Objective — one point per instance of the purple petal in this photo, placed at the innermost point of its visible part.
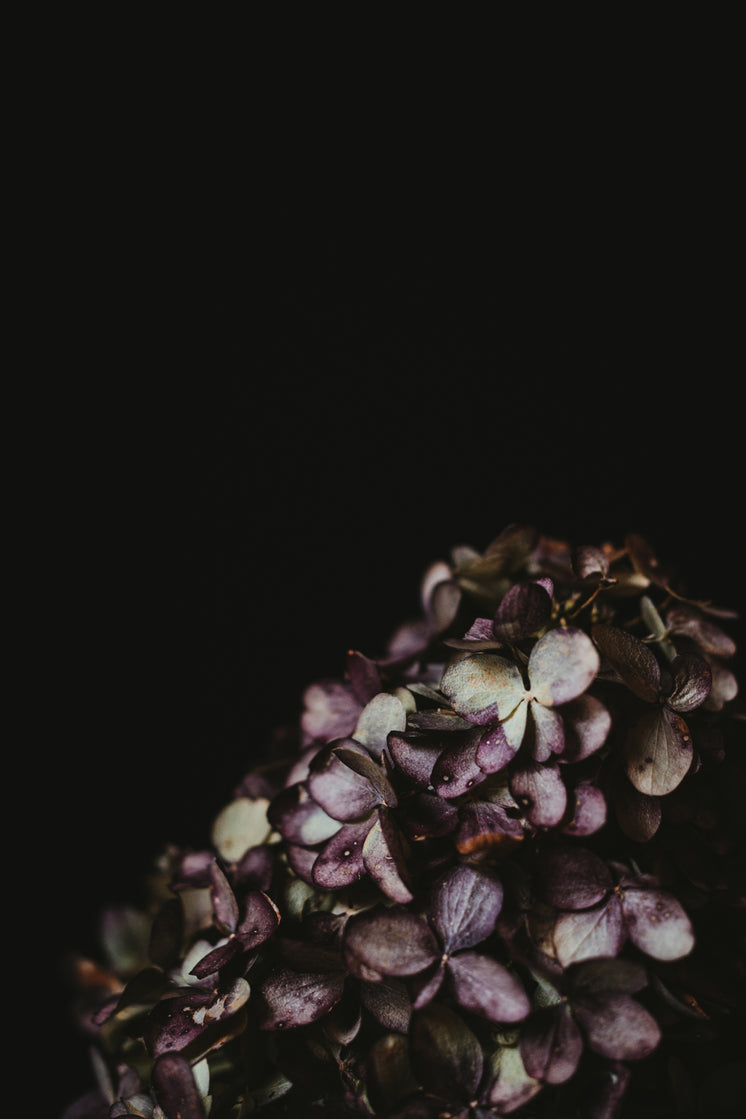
(551, 1044)
(639, 816)
(605, 975)
(287, 999)
(340, 860)
(385, 858)
(633, 661)
(464, 907)
(562, 664)
(587, 724)
(388, 942)
(175, 1088)
(337, 788)
(478, 636)
(428, 815)
(456, 770)
(224, 904)
(260, 919)
(617, 1026)
(658, 752)
(365, 681)
(485, 825)
(585, 933)
(570, 877)
(483, 687)
(178, 1023)
(589, 812)
(523, 611)
(487, 988)
(692, 682)
(360, 762)
(445, 1053)
(299, 819)
(443, 604)
(547, 732)
(331, 710)
(389, 1003)
(657, 924)
(415, 754)
(690, 622)
(540, 792)
(495, 749)
(588, 561)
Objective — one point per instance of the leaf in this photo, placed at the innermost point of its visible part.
(484, 986)
(390, 1076)
(483, 687)
(446, 1055)
(633, 661)
(658, 752)
(657, 924)
(562, 664)
(464, 906)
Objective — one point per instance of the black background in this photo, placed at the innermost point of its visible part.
(278, 393)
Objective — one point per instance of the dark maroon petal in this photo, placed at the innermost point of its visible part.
(639, 816)
(495, 749)
(589, 810)
(523, 611)
(427, 815)
(585, 933)
(255, 869)
(484, 825)
(389, 1003)
(617, 1026)
(218, 958)
(657, 924)
(301, 860)
(606, 1089)
(386, 858)
(487, 988)
(260, 919)
(547, 734)
(562, 664)
(424, 987)
(361, 763)
(658, 752)
(464, 907)
(365, 680)
(540, 792)
(193, 870)
(340, 860)
(445, 1053)
(415, 754)
(689, 622)
(178, 1023)
(299, 819)
(692, 682)
(175, 1088)
(224, 904)
(479, 636)
(588, 561)
(341, 792)
(388, 942)
(605, 975)
(483, 687)
(570, 877)
(456, 770)
(632, 660)
(551, 1044)
(587, 723)
(287, 998)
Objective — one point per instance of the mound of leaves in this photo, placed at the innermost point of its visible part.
(496, 869)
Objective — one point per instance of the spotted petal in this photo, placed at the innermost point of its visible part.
(658, 752)
(657, 924)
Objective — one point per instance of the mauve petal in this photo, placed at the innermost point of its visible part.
(389, 1003)
(617, 1026)
(478, 636)
(337, 788)
(427, 815)
(638, 815)
(587, 723)
(495, 748)
(523, 611)
(690, 622)
(445, 1053)
(340, 860)
(589, 812)
(606, 1089)
(547, 732)
(299, 819)
(287, 999)
(178, 1023)
(540, 792)
(456, 770)
(562, 664)
(692, 682)
(415, 755)
(551, 1044)
(483, 687)
(385, 858)
(224, 904)
(570, 877)
(487, 988)
(464, 906)
(631, 659)
(484, 825)
(364, 677)
(443, 604)
(658, 752)
(331, 710)
(175, 1088)
(424, 987)
(585, 933)
(587, 560)
(388, 942)
(361, 763)
(657, 924)
(260, 919)
(605, 975)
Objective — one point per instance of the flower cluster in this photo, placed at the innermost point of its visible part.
(499, 871)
